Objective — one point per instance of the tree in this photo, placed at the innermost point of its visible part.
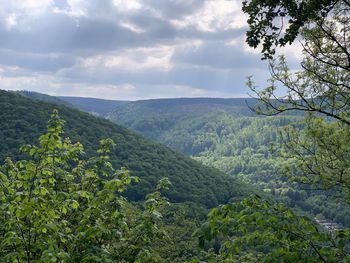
(323, 84)
(58, 207)
(320, 89)
(318, 148)
(277, 23)
(255, 230)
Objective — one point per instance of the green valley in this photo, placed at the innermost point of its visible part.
(226, 134)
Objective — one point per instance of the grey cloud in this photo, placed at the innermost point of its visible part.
(229, 82)
(60, 33)
(160, 29)
(232, 80)
(175, 9)
(36, 62)
(217, 54)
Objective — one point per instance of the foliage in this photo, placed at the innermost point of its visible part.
(180, 222)
(277, 23)
(144, 229)
(319, 153)
(321, 89)
(57, 207)
(154, 117)
(267, 232)
(322, 86)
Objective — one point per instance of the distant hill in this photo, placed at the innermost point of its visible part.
(100, 107)
(225, 134)
(45, 97)
(23, 119)
(153, 118)
(238, 106)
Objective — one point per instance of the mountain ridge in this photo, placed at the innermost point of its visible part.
(23, 119)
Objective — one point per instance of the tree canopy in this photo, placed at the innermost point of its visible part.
(279, 22)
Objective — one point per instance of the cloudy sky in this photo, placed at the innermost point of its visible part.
(128, 49)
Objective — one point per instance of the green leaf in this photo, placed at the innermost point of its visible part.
(75, 204)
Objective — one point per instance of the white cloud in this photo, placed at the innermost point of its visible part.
(131, 60)
(191, 91)
(214, 16)
(43, 84)
(10, 21)
(74, 8)
(31, 7)
(120, 92)
(127, 5)
(17, 13)
(132, 27)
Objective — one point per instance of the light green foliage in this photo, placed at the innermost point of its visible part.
(266, 232)
(320, 155)
(57, 207)
(145, 227)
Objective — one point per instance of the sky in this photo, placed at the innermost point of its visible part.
(128, 49)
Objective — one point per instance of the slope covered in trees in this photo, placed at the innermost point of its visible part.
(23, 119)
(247, 147)
(57, 205)
(226, 134)
(160, 116)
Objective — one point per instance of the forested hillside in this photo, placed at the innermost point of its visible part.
(231, 138)
(228, 135)
(23, 119)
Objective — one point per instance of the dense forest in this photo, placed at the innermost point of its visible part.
(230, 137)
